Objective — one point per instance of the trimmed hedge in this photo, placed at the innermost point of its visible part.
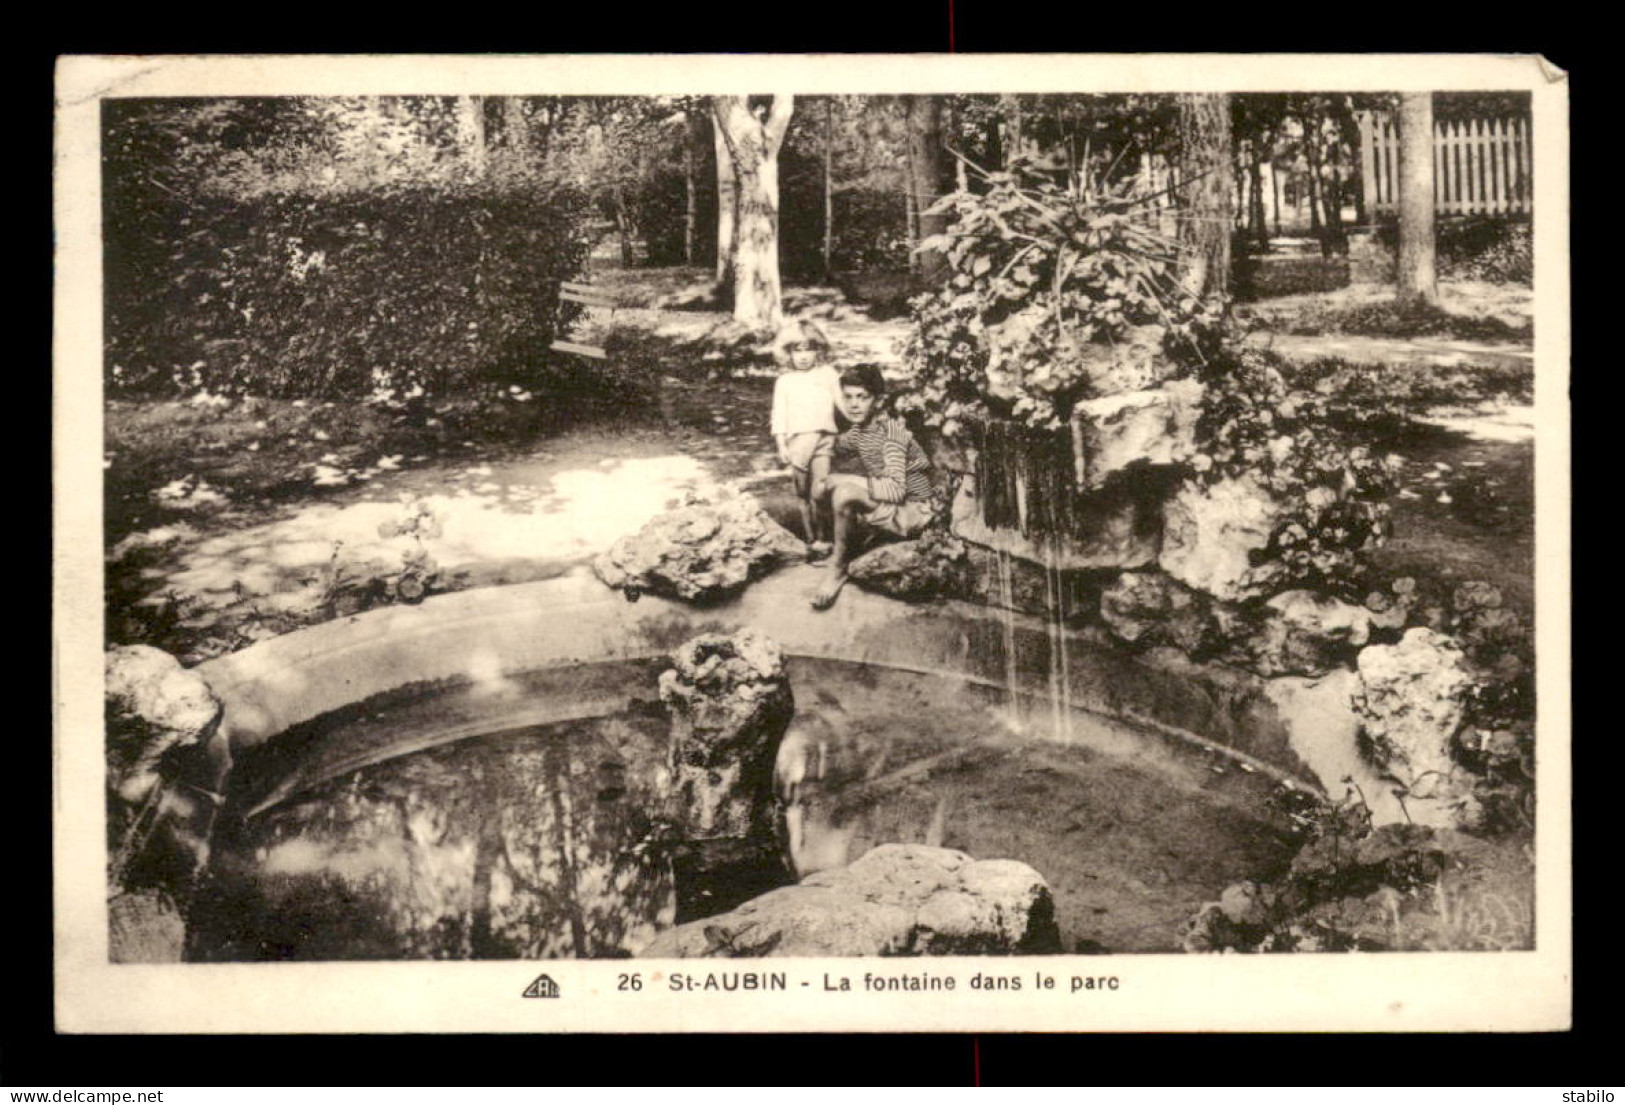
(297, 295)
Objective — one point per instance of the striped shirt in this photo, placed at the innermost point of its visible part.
(897, 468)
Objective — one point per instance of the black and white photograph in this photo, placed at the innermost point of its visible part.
(1031, 543)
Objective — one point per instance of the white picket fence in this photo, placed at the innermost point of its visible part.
(1480, 166)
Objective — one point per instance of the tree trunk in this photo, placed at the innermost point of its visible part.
(1418, 274)
(1205, 193)
(515, 131)
(1333, 203)
(623, 224)
(1275, 189)
(929, 178)
(471, 133)
(693, 155)
(1311, 152)
(753, 144)
(1255, 197)
(1010, 112)
(829, 187)
(727, 210)
(911, 217)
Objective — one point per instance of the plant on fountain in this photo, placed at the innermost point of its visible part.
(1327, 499)
(1050, 289)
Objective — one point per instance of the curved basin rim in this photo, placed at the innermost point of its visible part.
(1129, 717)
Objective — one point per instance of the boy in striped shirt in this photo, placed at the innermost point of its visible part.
(895, 493)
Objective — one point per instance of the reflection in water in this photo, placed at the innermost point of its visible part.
(543, 841)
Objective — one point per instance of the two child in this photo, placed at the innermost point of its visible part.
(883, 480)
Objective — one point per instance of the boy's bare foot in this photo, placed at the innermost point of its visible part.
(826, 595)
(818, 550)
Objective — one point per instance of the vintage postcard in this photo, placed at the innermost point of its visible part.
(808, 543)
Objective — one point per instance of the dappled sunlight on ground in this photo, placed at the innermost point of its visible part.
(1512, 423)
(1402, 351)
(1513, 304)
(523, 511)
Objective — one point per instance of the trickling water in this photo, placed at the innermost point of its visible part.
(1007, 612)
(1060, 686)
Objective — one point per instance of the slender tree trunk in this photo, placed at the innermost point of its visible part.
(375, 114)
(1418, 274)
(1311, 151)
(693, 155)
(1255, 198)
(727, 210)
(1275, 190)
(929, 179)
(1335, 235)
(1010, 113)
(753, 145)
(993, 140)
(829, 187)
(623, 224)
(471, 133)
(911, 213)
(515, 130)
(1205, 194)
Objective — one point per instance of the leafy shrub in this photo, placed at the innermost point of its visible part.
(1253, 424)
(1352, 887)
(1495, 252)
(335, 295)
(1038, 272)
(1363, 392)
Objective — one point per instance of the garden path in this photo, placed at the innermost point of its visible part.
(225, 570)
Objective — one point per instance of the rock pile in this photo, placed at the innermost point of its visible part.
(699, 552)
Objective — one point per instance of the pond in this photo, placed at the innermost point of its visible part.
(459, 820)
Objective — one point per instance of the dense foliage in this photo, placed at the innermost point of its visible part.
(338, 295)
(1039, 272)
(1497, 251)
(286, 274)
(1353, 887)
(1253, 424)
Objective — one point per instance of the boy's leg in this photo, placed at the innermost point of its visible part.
(849, 502)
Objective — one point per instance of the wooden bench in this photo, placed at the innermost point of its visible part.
(588, 296)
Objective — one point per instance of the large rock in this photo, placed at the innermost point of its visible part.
(1152, 426)
(155, 708)
(1150, 608)
(1132, 362)
(1411, 701)
(1012, 583)
(1210, 532)
(934, 566)
(1123, 529)
(144, 927)
(898, 899)
(699, 552)
(1305, 633)
(730, 704)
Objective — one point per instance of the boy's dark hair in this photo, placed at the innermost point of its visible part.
(865, 376)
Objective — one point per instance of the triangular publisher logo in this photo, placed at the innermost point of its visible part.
(543, 987)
